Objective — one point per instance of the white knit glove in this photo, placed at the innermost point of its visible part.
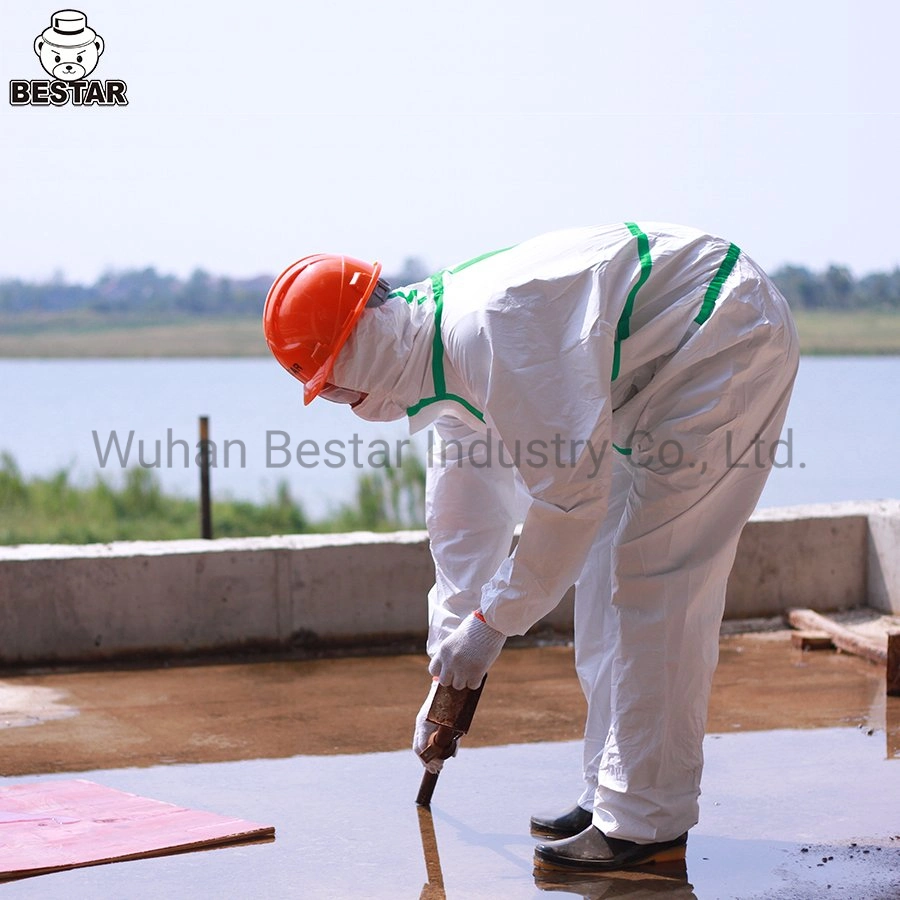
(463, 657)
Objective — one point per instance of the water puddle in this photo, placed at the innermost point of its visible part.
(785, 814)
(23, 705)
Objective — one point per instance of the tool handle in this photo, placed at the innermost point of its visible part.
(426, 788)
(444, 741)
(441, 745)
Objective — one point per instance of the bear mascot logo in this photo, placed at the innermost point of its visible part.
(69, 50)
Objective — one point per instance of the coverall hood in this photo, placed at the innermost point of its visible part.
(388, 357)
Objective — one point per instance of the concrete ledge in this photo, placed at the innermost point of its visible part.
(799, 556)
(824, 556)
(61, 603)
(101, 601)
(884, 558)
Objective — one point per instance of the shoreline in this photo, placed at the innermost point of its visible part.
(822, 333)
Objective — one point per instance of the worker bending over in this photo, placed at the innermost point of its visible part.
(627, 376)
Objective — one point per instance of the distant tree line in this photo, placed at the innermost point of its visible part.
(836, 288)
(147, 292)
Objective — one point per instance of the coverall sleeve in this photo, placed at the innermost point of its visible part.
(550, 397)
(471, 510)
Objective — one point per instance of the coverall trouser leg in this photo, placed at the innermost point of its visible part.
(650, 600)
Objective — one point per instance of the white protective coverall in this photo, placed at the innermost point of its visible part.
(635, 378)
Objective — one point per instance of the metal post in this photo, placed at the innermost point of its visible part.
(205, 506)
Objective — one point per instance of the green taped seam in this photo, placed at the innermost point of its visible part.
(437, 356)
(715, 286)
(477, 259)
(623, 329)
(625, 451)
(437, 343)
(430, 400)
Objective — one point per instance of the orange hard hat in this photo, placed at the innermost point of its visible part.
(311, 310)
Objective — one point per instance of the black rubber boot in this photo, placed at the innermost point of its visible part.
(570, 823)
(592, 851)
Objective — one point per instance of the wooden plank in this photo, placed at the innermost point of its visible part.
(893, 664)
(843, 638)
(49, 826)
(812, 640)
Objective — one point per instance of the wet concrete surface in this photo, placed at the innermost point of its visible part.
(801, 791)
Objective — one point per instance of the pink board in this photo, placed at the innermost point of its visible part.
(53, 825)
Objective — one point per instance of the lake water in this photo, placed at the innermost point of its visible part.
(841, 433)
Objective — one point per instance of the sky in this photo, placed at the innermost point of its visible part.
(258, 133)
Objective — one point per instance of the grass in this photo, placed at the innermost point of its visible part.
(54, 510)
(83, 336)
(87, 335)
(848, 333)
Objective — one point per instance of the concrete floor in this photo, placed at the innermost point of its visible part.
(800, 798)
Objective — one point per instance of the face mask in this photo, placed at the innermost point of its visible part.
(378, 409)
(340, 395)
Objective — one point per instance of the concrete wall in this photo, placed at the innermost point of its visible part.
(169, 597)
(826, 556)
(76, 603)
(884, 558)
